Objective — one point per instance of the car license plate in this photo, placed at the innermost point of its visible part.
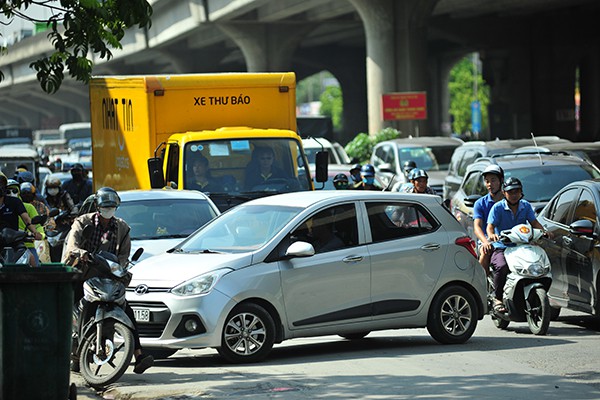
(141, 314)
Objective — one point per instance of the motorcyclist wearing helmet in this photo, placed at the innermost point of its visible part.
(367, 173)
(35, 207)
(505, 214)
(79, 186)
(112, 234)
(408, 166)
(58, 198)
(340, 181)
(24, 176)
(419, 180)
(355, 173)
(493, 176)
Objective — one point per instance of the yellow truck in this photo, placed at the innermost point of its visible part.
(207, 132)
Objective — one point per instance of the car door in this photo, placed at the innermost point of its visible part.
(555, 218)
(578, 251)
(407, 247)
(332, 286)
(472, 185)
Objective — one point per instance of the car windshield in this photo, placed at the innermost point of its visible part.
(422, 156)
(543, 182)
(165, 218)
(443, 154)
(241, 229)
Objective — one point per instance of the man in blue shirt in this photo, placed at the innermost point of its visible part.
(505, 214)
(493, 176)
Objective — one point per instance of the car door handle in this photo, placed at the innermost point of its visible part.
(430, 247)
(567, 240)
(352, 259)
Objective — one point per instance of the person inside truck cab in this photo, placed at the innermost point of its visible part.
(201, 179)
(261, 169)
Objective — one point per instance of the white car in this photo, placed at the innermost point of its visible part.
(309, 264)
(313, 145)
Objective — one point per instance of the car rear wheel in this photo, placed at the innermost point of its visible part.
(452, 316)
(248, 334)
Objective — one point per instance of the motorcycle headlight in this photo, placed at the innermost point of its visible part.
(535, 269)
(200, 285)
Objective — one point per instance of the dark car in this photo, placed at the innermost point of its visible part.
(542, 176)
(587, 150)
(466, 154)
(572, 217)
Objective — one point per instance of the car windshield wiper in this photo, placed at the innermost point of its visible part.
(175, 250)
(206, 251)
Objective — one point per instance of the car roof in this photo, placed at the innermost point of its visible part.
(316, 143)
(155, 194)
(309, 198)
(525, 160)
(499, 144)
(429, 141)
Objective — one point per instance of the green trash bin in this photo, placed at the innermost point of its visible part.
(35, 330)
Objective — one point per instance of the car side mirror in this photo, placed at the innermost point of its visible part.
(469, 201)
(300, 249)
(583, 227)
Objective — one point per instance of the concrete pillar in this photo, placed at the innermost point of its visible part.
(438, 108)
(266, 47)
(378, 20)
(589, 83)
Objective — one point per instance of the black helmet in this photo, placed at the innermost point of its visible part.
(419, 173)
(356, 167)
(493, 169)
(512, 183)
(339, 178)
(25, 176)
(409, 165)
(367, 170)
(107, 197)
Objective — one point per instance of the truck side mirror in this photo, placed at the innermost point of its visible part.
(157, 177)
(321, 160)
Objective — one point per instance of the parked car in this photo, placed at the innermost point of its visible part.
(572, 218)
(313, 145)
(160, 219)
(542, 176)
(311, 264)
(467, 153)
(431, 154)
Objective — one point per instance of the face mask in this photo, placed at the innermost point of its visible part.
(53, 191)
(369, 180)
(107, 212)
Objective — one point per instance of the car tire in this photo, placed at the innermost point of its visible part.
(355, 336)
(452, 315)
(248, 334)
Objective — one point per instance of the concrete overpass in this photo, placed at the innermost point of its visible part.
(530, 49)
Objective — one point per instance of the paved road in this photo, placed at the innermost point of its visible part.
(406, 364)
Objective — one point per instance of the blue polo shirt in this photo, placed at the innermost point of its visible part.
(482, 208)
(502, 217)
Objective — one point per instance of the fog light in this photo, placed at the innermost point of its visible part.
(190, 325)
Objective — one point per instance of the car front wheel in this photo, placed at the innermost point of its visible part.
(452, 316)
(248, 334)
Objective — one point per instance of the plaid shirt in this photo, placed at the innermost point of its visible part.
(104, 239)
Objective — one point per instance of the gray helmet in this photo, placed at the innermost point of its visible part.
(512, 183)
(107, 197)
(494, 169)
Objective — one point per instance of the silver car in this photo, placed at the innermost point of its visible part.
(310, 264)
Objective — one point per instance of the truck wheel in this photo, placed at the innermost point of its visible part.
(248, 334)
(452, 315)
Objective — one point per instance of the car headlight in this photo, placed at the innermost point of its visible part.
(199, 285)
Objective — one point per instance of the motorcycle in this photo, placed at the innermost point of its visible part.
(56, 237)
(525, 292)
(13, 247)
(104, 344)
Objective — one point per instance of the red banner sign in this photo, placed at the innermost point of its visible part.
(403, 106)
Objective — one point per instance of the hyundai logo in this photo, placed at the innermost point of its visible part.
(141, 289)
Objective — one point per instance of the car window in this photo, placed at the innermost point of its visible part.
(474, 184)
(469, 157)
(560, 209)
(389, 221)
(585, 208)
(422, 156)
(331, 229)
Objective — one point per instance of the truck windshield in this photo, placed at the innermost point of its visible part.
(251, 167)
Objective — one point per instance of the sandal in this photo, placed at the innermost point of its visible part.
(499, 308)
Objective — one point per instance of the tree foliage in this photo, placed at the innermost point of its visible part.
(78, 28)
(332, 105)
(361, 146)
(462, 94)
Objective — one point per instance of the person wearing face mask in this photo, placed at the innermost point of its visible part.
(58, 198)
(368, 179)
(27, 177)
(112, 234)
(79, 186)
(34, 207)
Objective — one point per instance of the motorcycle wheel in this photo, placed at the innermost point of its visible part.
(452, 315)
(538, 311)
(118, 346)
(248, 334)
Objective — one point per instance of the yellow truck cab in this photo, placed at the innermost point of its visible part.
(208, 132)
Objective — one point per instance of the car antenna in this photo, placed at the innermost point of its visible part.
(537, 148)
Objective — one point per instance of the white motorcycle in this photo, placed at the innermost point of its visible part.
(525, 292)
